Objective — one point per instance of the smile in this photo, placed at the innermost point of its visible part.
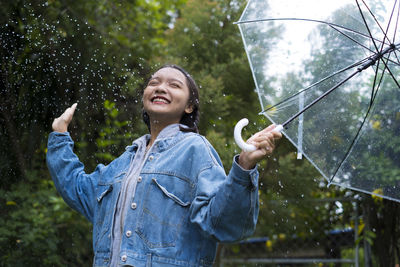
(160, 99)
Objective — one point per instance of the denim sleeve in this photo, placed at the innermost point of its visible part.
(226, 207)
(75, 186)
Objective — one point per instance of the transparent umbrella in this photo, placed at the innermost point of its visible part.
(328, 72)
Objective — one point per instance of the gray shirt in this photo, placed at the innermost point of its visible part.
(128, 188)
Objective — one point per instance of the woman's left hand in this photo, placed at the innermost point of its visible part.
(265, 144)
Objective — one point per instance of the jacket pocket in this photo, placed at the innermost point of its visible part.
(103, 217)
(108, 190)
(166, 205)
(170, 195)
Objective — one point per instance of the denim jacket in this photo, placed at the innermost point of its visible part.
(184, 204)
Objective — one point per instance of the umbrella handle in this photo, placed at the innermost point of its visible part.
(237, 133)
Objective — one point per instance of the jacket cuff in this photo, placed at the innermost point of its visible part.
(56, 138)
(243, 176)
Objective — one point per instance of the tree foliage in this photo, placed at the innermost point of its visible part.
(99, 53)
(55, 53)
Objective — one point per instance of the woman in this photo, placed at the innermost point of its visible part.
(166, 201)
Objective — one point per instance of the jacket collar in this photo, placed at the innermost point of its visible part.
(168, 137)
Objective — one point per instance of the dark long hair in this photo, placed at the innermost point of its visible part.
(190, 120)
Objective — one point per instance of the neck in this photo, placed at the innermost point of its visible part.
(155, 128)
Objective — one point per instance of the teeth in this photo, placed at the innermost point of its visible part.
(160, 100)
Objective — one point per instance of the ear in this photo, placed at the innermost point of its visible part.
(189, 109)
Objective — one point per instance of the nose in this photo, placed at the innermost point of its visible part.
(160, 89)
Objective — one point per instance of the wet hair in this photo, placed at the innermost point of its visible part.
(190, 120)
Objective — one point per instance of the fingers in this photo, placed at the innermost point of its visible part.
(270, 129)
(269, 136)
(69, 113)
(265, 139)
(61, 123)
(267, 147)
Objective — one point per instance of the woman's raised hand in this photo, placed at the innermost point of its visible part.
(61, 123)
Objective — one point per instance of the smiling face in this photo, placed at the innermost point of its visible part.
(166, 96)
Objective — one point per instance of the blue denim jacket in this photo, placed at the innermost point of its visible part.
(185, 203)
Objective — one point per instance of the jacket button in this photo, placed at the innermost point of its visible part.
(151, 158)
(139, 179)
(133, 205)
(124, 258)
(128, 233)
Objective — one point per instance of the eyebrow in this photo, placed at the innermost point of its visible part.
(169, 79)
(176, 80)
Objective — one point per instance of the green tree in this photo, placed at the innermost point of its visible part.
(55, 53)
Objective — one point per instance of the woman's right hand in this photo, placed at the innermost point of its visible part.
(265, 143)
(61, 123)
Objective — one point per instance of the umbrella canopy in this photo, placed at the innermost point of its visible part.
(339, 61)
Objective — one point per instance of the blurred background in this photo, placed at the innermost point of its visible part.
(99, 53)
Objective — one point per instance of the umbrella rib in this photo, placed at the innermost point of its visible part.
(371, 61)
(387, 29)
(308, 20)
(366, 24)
(391, 73)
(351, 38)
(396, 56)
(388, 26)
(320, 97)
(389, 50)
(395, 31)
(335, 26)
(397, 23)
(373, 96)
(318, 82)
(375, 91)
(392, 61)
(352, 143)
(386, 67)
(390, 21)
(362, 45)
(377, 22)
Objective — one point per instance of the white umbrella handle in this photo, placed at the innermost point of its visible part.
(237, 133)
